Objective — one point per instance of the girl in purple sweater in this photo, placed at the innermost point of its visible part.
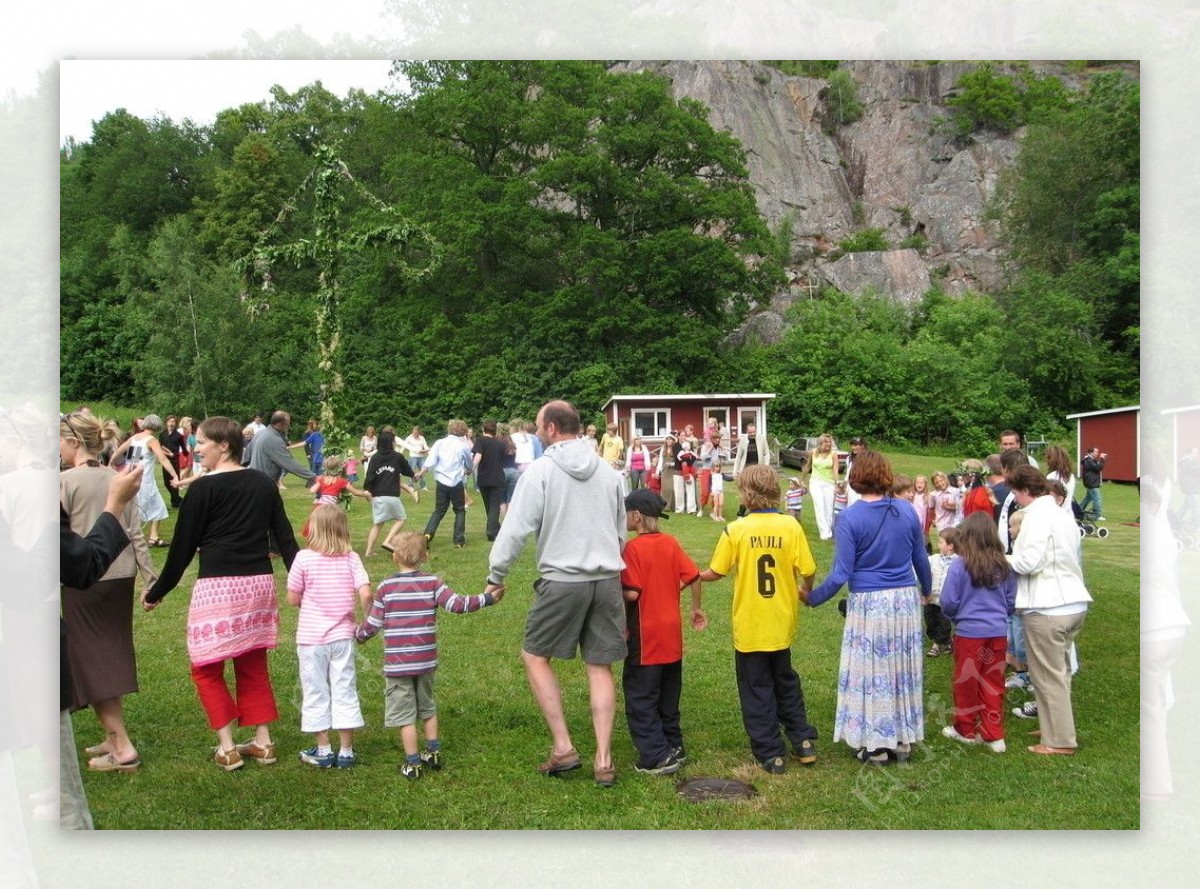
(978, 595)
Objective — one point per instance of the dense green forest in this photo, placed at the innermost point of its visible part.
(503, 232)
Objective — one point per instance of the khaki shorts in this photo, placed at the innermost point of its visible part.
(408, 699)
(589, 615)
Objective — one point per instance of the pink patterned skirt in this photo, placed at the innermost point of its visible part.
(232, 615)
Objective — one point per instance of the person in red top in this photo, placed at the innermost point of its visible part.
(328, 487)
(978, 498)
(656, 570)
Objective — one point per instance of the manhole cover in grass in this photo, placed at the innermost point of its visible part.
(703, 788)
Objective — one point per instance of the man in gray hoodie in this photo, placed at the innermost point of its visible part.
(574, 504)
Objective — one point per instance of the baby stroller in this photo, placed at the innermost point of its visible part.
(1088, 522)
(1187, 537)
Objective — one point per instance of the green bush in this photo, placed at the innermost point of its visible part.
(842, 105)
(804, 67)
(917, 241)
(986, 100)
(867, 239)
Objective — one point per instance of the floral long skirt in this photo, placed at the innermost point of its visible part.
(880, 700)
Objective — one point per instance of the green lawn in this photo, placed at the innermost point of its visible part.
(493, 735)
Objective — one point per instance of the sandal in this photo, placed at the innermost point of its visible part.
(107, 764)
(1046, 749)
(158, 542)
(878, 756)
(96, 750)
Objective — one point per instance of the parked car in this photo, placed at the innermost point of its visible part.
(796, 454)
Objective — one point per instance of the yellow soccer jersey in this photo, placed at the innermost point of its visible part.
(769, 551)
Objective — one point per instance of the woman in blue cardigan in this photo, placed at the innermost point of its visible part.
(879, 551)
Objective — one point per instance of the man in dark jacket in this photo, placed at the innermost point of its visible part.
(1091, 468)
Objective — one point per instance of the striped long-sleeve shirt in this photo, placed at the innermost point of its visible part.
(405, 606)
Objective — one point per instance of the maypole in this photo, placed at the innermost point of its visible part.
(330, 183)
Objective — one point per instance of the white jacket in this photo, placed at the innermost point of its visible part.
(1046, 558)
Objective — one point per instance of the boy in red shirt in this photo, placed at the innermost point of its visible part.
(656, 570)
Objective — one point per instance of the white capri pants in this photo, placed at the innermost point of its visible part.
(330, 687)
(820, 493)
(685, 494)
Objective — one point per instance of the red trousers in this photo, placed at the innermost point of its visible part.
(705, 487)
(255, 702)
(979, 686)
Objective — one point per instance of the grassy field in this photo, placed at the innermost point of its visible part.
(493, 735)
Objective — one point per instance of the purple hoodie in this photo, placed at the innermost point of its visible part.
(977, 612)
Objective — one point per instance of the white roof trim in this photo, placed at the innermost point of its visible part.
(1109, 411)
(692, 396)
(1182, 410)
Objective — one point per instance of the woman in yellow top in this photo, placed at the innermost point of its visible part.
(822, 475)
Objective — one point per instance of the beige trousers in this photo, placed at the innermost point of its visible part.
(1048, 640)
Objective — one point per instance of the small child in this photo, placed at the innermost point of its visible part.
(936, 624)
(351, 468)
(770, 552)
(405, 606)
(979, 594)
(923, 504)
(322, 581)
(840, 499)
(685, 479)
(1015, 656)
(717, 491)
(656, 570)
(330, 486)
(795, 497)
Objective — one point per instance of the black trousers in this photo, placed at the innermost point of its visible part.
(176, 497)
(771, 697)
(937, 625)
(493, 497)
(652, 708)
(450, 496)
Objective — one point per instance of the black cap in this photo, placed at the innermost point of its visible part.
(647, 503)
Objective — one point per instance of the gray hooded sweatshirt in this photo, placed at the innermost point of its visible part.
(574, 503)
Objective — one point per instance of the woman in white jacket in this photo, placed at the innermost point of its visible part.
(1052, 600)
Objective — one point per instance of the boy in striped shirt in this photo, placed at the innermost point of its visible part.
(405, 607)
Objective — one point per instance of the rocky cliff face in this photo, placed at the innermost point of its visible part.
(894, 169)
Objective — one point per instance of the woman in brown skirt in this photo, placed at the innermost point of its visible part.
(100, 618)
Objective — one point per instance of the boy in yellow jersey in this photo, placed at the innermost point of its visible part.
(771, 555)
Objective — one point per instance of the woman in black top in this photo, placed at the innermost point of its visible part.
(234, 610)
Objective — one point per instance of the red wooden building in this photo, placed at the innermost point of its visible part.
(654, 416)
(1185, 424)
(1116, 432)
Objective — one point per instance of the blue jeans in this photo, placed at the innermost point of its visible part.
(416, 463)
(1092, 496)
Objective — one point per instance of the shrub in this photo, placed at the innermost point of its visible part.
(840, 96)
(867, 239)
(986, 100)
(916, 241)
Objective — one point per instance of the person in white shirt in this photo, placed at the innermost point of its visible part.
(449, 460)
(418, 451)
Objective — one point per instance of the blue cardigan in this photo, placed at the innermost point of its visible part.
(878, 545)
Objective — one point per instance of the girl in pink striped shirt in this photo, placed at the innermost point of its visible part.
(322, 581)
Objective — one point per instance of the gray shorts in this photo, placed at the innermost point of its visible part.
(385, 508)
(589, 615)
(408, 699)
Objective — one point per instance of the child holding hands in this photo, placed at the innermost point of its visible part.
(656, 570)
(770, 553)
(405, 607)
(979, 594)
(328, 487)
(323, 581)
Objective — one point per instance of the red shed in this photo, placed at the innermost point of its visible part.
(1115, 431)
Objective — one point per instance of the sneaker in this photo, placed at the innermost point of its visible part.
(431, 758)
(995, 745)
(678, 753)
(346, 761)
(935, 650)
(1027, 711)
(606, 776)
(560, 763)
(1101, 519)
(878, 756)
(264, 754)
(806, 753)
(312, 758)
(1017, 681)
(774, 765)
(951, 733)
(411, 770)
(228, 760)
(665, 767)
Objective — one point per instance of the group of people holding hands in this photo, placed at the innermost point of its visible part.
(604, 597)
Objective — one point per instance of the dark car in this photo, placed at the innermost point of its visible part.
(796, 454)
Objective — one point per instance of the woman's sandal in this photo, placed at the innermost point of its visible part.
(96, 750)
(107, 763)
(1046, 749)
